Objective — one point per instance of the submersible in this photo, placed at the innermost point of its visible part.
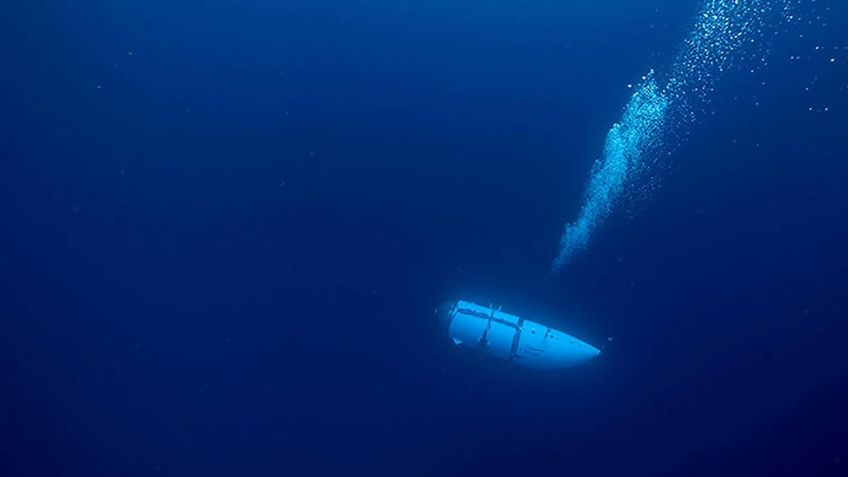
(491, 331)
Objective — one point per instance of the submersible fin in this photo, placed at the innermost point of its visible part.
(526, 343)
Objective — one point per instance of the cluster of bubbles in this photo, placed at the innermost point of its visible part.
(726, 34)
(635, 134)
(715, 45)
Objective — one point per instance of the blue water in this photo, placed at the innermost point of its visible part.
(227, 223)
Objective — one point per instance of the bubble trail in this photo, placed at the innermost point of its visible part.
(726, 32)
(626, 142)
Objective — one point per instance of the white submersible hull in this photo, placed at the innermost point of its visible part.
(508, 337)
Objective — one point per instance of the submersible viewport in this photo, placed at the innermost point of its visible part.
(509, 337)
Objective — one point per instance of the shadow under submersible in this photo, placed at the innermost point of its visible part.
(511, 338)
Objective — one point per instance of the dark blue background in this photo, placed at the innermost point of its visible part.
(226, 224)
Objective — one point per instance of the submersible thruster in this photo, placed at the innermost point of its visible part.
(493, 332)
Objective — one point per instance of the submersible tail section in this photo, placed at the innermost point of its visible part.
(511, 338)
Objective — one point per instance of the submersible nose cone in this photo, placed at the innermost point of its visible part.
(587, 351)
